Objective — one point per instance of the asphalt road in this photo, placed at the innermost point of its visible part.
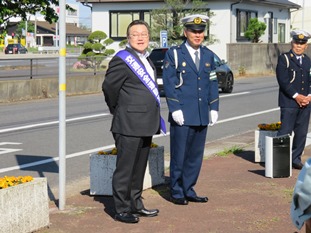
(29, 131)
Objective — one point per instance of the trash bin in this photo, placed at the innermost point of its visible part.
(278, 156)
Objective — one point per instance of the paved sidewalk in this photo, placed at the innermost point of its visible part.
(241, 199)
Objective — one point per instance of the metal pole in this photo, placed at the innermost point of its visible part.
(35, 34)
(303, 15)
(31, 67)
(26, 31)
(62, 105)
(56, 34)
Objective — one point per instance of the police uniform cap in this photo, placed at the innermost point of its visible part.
(195, 22)
(300, 36)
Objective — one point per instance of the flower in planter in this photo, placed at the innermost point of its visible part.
(114, 150)
(6, 181)
(271, 127)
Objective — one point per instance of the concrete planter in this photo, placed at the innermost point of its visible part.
(103, 166)
(25, 207)
(260, 137)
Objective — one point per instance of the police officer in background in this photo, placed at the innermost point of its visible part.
(293, 76)
(191, 90)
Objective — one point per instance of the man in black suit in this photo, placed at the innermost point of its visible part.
(131, 95)
(293, 76)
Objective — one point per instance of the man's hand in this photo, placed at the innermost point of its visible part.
(302, 100)
(178, 117)
(214, 117)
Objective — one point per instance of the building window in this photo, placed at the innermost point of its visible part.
(119, 20)
(243, 17)
(281, 29)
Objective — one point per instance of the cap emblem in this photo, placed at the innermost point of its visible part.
(301, 36)
(197, 20)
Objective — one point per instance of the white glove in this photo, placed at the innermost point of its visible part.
(178, 117)
(214, 117)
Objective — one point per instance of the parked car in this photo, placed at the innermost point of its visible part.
(15, 48)
(223, 71)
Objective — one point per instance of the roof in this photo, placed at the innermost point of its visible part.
(114, 1)
(281, 3)
(71, 28)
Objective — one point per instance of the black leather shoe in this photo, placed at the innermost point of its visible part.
(179, 201)
(197, 199)
(297, 165)
(145, 213)
(126, 218)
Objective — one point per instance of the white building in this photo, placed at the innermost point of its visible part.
(301, 19)
(228, 24)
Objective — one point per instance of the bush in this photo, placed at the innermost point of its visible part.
(255, 30)
(95, 50)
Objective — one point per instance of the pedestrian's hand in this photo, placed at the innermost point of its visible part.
(178, 117)
(214, 117)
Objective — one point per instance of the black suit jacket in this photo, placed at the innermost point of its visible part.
(135, 110)
(292, 78)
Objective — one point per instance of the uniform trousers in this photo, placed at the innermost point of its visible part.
(187, 149)
(128, 178)
(295, 120)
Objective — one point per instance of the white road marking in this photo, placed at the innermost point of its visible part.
(19, 167)
(10, 143)
(247, 115)
(234, 94)
(82, 118)
(8, 150)
(111, 146)
(51, 123)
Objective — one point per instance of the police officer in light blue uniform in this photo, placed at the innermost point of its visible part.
(293, 76)
(191, 89)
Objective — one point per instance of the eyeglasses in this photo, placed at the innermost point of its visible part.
(142, 35)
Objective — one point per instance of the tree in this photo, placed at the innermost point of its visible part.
(168, 18)
(95, 49)
(22, 26)
(14, 8)
(255, 30)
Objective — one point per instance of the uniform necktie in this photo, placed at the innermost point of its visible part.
(197, 60)
(300, 60)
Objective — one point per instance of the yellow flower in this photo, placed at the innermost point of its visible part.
(272, 126)
(6, 181)
(26, 179)
(115, 152)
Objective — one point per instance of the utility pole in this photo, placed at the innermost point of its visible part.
(303, 14)
(35, 34)
(62, 104)
(26, 32)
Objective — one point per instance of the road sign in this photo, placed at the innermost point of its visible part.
(163, 39)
